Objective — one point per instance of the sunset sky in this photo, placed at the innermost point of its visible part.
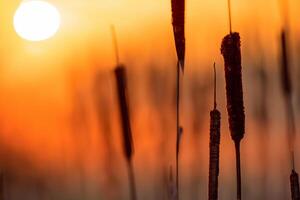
(40, 80)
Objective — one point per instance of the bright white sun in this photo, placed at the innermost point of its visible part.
(36, 20)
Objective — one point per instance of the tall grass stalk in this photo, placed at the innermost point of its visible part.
(178, 12)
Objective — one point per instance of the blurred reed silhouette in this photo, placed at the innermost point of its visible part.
(120, 75)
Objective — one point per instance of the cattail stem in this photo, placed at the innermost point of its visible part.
(238, 170)
(215, 87)
(229, 15)
(131, 179)
(178, 20)
(115, 43)
(177, 127)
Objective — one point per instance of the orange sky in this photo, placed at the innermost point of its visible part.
(35, 103)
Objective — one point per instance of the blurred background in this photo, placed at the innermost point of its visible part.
(60, 136)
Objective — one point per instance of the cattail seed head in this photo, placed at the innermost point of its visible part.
(178, 8)
(215, 118)
(234, 90)
(294, 180)
(120, 74)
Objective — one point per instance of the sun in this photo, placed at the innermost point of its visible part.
(36, 20)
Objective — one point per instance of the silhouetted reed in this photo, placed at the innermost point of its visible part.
(287, 93)
(234, 91)
(120, 74)
(178, 17)
(214, 146)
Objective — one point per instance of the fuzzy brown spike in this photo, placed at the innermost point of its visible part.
(294, 180)
(215, 118)
(178, 9)
(234, 89)
(214, 146)
(234, 92)
(120, 74)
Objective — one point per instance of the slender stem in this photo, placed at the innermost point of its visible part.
(229, 15)
(115, 42)
(238, 170)
(177, 129)
(131, 178)
(215, 87)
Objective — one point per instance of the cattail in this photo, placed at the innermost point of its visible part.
(215, 122)
(178, 8)
(122, 94)
(287, 94)
(291, 127)
(294, 180)
(231, 51)
(120, 75)
(234, 91)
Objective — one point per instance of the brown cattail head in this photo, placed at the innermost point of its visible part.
(234, 90)
(214, 147)
(294, 180)
(178, 7)
(120, 74)
(285, 76)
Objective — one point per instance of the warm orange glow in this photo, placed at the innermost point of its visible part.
(36, 20)
(48, 114)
